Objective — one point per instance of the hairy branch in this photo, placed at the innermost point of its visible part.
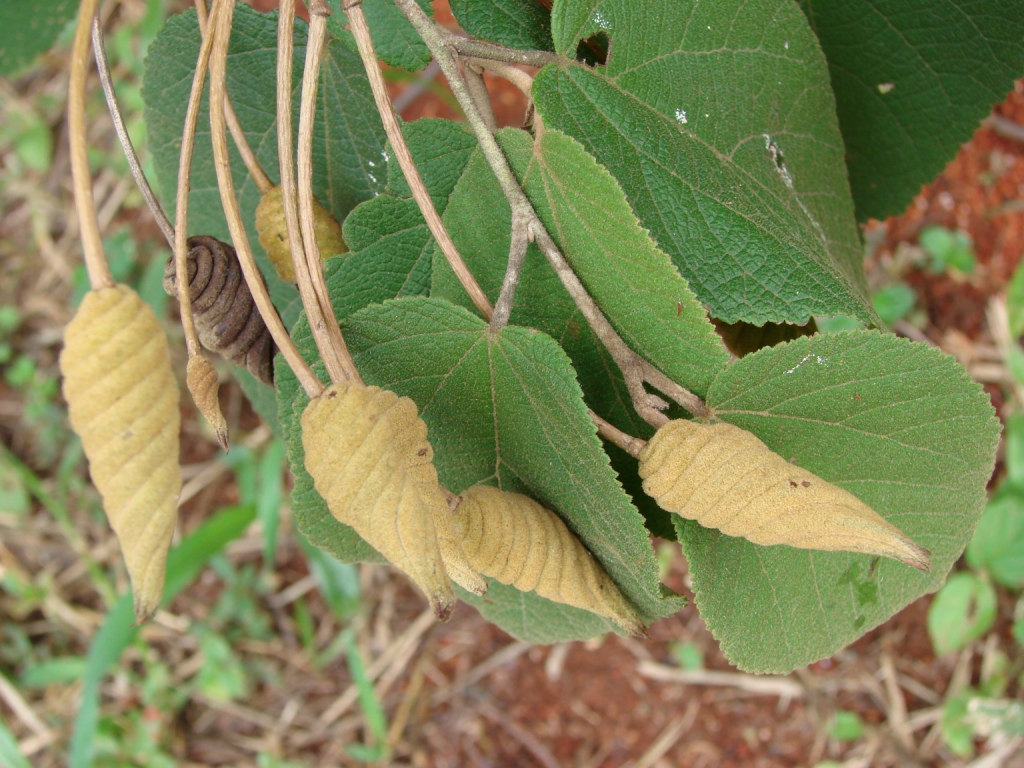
(222, 164)
(103, 66)
(480, 49)
(361, 32)
(92, 243)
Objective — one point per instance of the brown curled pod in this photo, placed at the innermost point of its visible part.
(226, 317)
(273, 232)
(367, 452)
(123, 403)
(512, 538)
(726, 478)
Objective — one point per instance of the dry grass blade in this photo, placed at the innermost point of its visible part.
(512, 538)
(724, 477)
(123, 402)
(367, 451)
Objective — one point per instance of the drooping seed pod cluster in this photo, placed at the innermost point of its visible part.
(123, 403)
(226, 317)
(273, 232)
(512, 538)
(367, 452)
(726, 478)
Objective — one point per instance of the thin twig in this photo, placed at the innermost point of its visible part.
(361, 32)
(628, 443)
(681, 395)
(299, 223)
(478, 91)
(479, 49)
(648, 405)
(518, 244)
(92, 243)
(222, 163)
(180, 243)
(521, 80)
(103, 66)
(324, 325)
(263, 182)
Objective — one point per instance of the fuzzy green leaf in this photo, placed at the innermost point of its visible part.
(912, 83)
(512, 23)
(901, 426)
(348, 136)
(718, 121)
(29, 27)
(506, 408)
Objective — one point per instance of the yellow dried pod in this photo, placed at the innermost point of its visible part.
(123, 403)
(460, 570)
(273, 232)
(204, 385)
(512, 538)
(726, 478)
(367, 452)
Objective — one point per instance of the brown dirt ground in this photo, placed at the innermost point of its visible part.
(465, 693)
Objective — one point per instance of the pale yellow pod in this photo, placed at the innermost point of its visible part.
(204, 385)
(726, 478)
(512, 538)
(460, 570)
(367, 452)
(123, 403)
(273, 232)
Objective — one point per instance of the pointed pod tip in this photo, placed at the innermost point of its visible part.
(145, 609)
(223, 441)
(443, 607)
(917, 557)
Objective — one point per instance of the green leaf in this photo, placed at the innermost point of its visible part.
(394, 38)
(962, 611)
(898, 424)
(512, 23)
(718, 121)
(10, 754)
(479, 219)
(894, 302)
(1015, 446)
(633, 282)
(998, 544)
(506, 408)
(29, 27)
(390, 243)
(845, 726)
(347, 135)
(957, 732)
(119, 629)
(912, 82)
(947, 249)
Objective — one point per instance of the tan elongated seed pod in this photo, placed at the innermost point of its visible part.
(512, 538)
(367, 452)
(204, 386)
(123, 403)
(273, 232)
(726, 478)
(226, 317)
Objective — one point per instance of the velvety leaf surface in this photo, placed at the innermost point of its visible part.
(29, 27)
(901, 426)
(506, 409)
(512, 23)
(633, 282)
(390, 243)
(718, 121)
(394, 38)
(348, 137)
(912, 83)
